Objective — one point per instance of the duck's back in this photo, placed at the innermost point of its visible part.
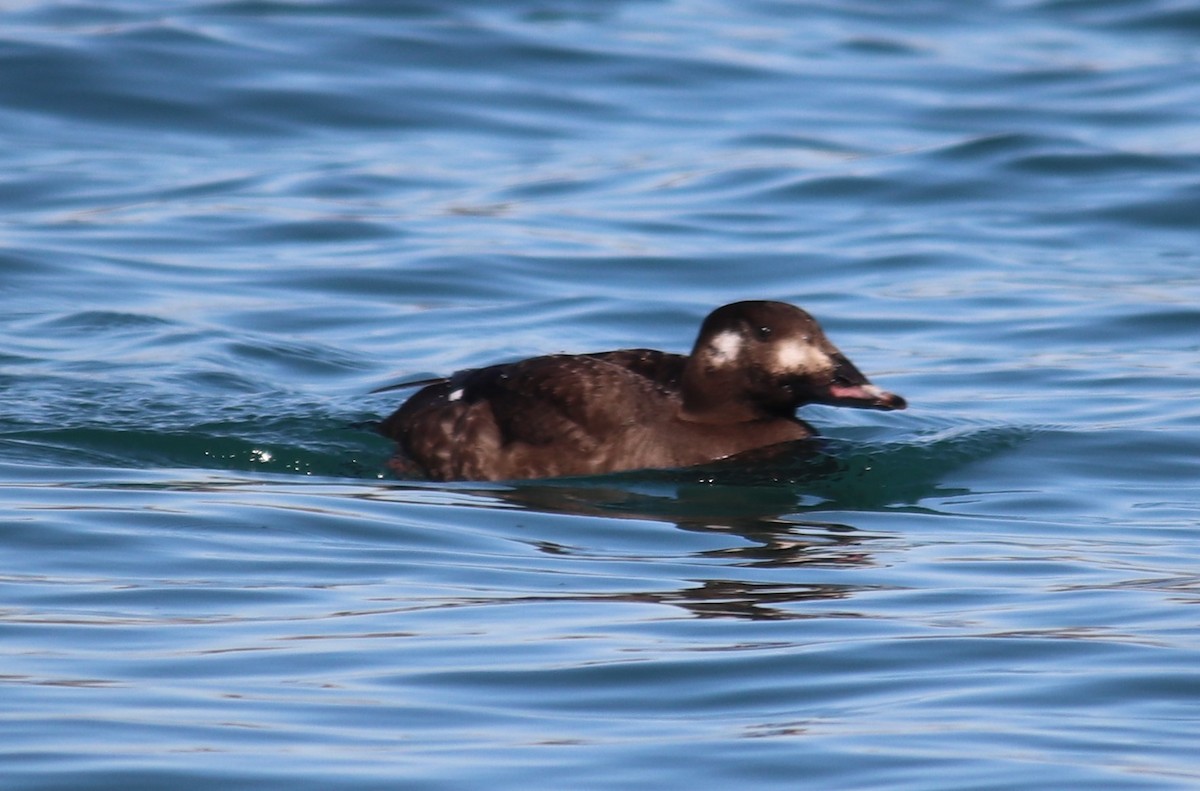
(543, 417)
(662, 368)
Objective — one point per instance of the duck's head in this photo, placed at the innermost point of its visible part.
(762, 359)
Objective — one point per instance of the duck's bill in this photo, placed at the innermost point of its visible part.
(863, 396)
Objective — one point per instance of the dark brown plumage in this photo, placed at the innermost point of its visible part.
(752, 365)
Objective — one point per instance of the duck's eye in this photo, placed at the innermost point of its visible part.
(762, 333)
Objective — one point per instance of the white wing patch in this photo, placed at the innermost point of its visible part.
(726, 347)
(455, 395)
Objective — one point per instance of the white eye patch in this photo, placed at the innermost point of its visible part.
(726, 346)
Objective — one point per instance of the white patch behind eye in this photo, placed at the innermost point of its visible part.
(794, 355)
(455, 395)
(726, 347)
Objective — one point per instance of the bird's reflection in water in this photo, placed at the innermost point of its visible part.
(772, 500)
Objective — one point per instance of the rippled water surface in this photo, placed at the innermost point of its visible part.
(224, 223)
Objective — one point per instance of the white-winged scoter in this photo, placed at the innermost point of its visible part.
(753, 364)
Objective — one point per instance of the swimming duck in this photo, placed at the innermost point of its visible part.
(752, 365)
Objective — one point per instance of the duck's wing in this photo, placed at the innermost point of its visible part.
(545, 416)
(578, 400)
(555, 399)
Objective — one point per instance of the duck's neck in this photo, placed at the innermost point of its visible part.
(714, 396)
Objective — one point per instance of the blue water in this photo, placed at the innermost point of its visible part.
(223, 223)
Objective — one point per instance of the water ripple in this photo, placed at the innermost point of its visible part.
(226, 222)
